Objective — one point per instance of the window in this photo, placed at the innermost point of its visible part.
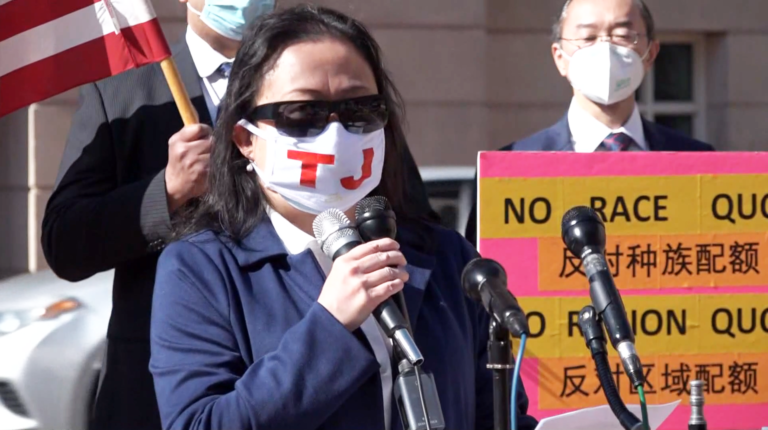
(672, 93)
(452, 200)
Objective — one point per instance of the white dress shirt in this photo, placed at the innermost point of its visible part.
(587, 133)
(295, 242)
(207, 61)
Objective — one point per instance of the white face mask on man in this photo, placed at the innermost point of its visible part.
(606, 73)
(333, 170)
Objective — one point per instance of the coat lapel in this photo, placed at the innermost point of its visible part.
(653, 138)
(305, 275)
(414, 289)
(561, 136)
(303, 272)
(419, 268)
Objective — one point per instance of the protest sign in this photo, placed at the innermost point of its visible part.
(688, 247)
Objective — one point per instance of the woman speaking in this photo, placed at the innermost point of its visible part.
(253, 326)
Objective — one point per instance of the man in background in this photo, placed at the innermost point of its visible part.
(604, 48)
(128, 165)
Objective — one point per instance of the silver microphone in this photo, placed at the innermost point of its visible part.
(337, 236)
(335, 233)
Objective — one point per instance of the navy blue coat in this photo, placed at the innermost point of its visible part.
(558, 138)
(239, 341)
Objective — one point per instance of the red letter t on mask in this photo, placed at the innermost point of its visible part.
(309, 163)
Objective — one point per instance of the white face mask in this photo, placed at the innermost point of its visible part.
(606, 73)
(333, 170)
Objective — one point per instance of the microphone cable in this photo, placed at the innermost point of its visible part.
(643, 407)
(516, 380)
(592, 330)
(421, 396)
(604, 374)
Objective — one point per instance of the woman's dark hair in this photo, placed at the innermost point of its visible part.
(234, 203)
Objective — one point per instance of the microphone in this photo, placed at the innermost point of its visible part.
(583, 233)
(337, 236)
(415, 390)
(375, 219)
(485, 281)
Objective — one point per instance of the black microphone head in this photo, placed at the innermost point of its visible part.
(583, 231)
(478, 271)
(488, 275)
(334, 231)
(372, 203)
(375, 219)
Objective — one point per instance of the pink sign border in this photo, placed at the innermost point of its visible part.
(509, 164)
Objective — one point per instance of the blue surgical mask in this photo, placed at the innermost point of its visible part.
(230, 17)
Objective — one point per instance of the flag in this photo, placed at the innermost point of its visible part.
(50, 46)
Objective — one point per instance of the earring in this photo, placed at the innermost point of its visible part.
(249, 168)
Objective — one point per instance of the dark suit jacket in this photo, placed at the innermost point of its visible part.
(558, 138)
(240, 342)
(109, 210)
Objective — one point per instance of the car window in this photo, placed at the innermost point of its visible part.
(447, 199)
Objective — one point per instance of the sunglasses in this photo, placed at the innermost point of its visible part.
(310, 117)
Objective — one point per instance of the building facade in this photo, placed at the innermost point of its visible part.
(475, 75)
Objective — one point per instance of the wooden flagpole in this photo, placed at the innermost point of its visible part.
(183, 103)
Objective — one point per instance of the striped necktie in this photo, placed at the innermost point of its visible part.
(616, 142)
(225, 69)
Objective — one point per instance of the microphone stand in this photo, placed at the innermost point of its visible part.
(414, 390)
(500, 362)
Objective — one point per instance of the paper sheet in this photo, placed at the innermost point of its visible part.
(602, 418)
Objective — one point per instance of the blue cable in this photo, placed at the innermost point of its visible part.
(516, 380)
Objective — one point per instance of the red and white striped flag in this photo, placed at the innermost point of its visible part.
(50, 46)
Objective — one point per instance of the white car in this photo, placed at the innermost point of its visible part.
(52, 332)
(51, 345)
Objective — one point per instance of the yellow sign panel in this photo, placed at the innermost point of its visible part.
(525, 207)
(734, 203)
(670, 261)
(729, 378)
(520, 207)
(687, 324)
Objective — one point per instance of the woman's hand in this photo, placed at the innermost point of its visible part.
(361, 279)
